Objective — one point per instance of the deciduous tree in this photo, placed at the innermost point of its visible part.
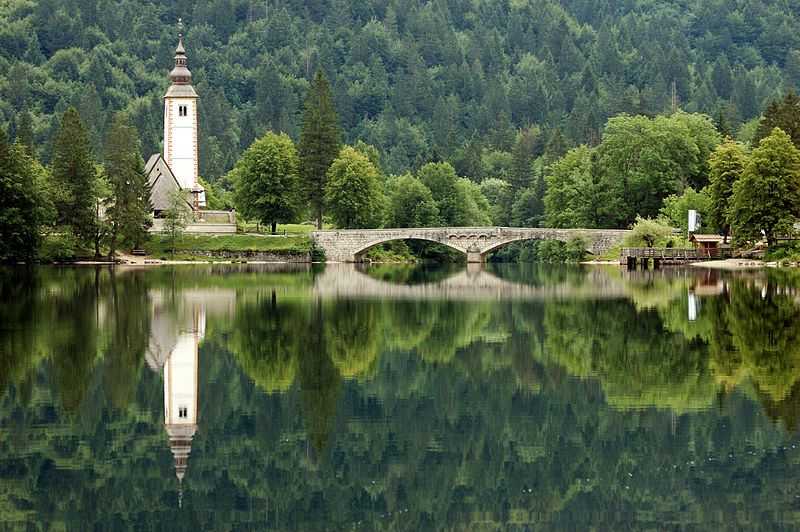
(766, 199)
(353, 192)
(266, 180)
(410, 203)
(726, 165)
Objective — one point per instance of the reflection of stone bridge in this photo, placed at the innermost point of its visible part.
(347, 282)
(475, 242)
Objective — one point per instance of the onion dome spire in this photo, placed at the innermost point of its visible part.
(180, 75)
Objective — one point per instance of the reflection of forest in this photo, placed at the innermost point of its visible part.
(401, 414)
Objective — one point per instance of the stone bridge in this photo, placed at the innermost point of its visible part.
(475, 242)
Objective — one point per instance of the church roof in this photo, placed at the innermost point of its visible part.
(181, 91)
(162, 182)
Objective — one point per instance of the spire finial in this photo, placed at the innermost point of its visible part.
(180, 75)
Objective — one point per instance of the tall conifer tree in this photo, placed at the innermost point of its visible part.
(784, 114)
(75, 178)
(20, 213)
(319, 143)
(129, 202)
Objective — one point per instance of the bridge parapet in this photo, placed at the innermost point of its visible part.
(475, 242)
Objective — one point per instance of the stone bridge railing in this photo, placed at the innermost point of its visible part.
(475, 242)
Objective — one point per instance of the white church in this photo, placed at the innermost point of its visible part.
(178, 167)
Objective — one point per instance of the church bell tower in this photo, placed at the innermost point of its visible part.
(180, 126)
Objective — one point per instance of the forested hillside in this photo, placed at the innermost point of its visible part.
(448, 80)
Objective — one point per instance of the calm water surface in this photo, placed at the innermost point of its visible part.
(394, 398)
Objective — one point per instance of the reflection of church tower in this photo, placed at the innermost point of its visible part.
(174, 346)
(180, 394)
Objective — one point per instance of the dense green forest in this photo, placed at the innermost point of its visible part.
(452, 80)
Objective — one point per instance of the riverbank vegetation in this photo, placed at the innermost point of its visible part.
(216, 246)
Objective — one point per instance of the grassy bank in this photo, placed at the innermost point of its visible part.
(190, 245)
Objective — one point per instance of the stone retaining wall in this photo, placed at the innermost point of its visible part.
(254, 256)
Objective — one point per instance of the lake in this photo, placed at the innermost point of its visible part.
(521, 397)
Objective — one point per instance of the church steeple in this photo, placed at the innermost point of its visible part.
(181, 126)
(180, 75)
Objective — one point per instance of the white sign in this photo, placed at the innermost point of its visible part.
(694, 221)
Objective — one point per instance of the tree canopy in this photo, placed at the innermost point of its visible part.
(266, 180)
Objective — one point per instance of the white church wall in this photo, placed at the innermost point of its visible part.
(180, 134)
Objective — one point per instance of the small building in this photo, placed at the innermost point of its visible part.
(706, 241)
(712, 246)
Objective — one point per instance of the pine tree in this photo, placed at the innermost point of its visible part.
(726, 166)
(784, 114)
(319, 143)
(524, 152)
(128, 211)
(75, 178)
(24, 130)
(20, 213)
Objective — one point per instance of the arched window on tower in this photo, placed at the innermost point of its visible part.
(182, 110)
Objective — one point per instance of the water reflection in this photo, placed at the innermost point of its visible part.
(390, 398)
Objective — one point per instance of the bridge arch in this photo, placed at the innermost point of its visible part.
(587, 242)
(359, 253)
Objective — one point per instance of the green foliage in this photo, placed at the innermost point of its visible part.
(499, 194)
(176, 218)
(473, 207)
(648, 232)
(353, 192)
(415, 82)
(21, 215)
(319, 143)
(676, 210)
(266, 181)
(58, 248)
(410, 203)
(766, 199)
(527, 147)
(542, 251)
(217, 198)
(571, 199)
(441, 179)
(643, 160)
(459, 200)
(527, 210)
(726, 166)
(75, 178)
(196, 244)
(128, 208)
(783, 114)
